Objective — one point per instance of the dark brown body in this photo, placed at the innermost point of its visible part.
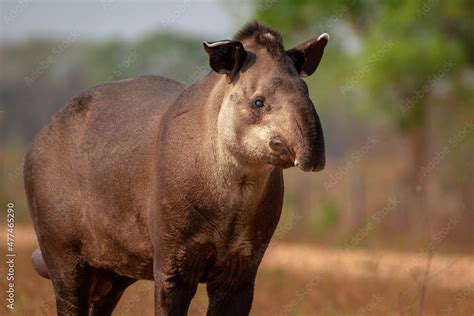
(130, 181)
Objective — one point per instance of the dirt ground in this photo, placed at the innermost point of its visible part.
(294, 279)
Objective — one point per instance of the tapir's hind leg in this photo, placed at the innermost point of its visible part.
(107, 293)
(72, 281)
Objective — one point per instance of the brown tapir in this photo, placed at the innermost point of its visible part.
(146, 178)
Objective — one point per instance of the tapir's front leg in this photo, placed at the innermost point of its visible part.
(230, 286)
(177, 271)
(172, 294)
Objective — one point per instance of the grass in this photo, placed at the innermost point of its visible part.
(278, 291)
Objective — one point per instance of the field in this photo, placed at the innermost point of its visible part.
(297, 279)
(385, 229)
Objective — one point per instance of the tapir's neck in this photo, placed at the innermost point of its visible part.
(226, 171)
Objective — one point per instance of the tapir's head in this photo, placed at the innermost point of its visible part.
(266, 115)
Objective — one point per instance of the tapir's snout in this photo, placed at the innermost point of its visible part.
(303, 143)
(309, 140)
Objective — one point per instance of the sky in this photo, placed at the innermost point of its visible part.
(129, 19)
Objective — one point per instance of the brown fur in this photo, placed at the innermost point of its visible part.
(260, 34)
(148, 179)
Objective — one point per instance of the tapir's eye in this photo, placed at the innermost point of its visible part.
(259, 103)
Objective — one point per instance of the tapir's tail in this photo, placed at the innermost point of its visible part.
(38, 263)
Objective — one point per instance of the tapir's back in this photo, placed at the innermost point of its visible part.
(95, 157)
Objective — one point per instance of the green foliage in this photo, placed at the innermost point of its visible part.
(41, 75)
(292, 17)
(103, 59)
(421, 54)
(160, 53)
(277, 275)
(289, 204)
(325, 218)
(289, 217)
(427, 40)
(173, 55)
(297, 312)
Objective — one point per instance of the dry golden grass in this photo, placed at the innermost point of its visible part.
(297, 279)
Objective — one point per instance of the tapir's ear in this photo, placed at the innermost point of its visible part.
(307, 55)
(226, 57)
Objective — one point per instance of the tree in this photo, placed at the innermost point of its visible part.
(430, 44)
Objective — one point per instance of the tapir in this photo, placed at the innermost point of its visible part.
(146, 178)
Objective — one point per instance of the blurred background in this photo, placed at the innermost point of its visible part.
(395, 93)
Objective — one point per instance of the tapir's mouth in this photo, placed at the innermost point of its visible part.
(307, 166)
(283, 154)
(286, 157)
